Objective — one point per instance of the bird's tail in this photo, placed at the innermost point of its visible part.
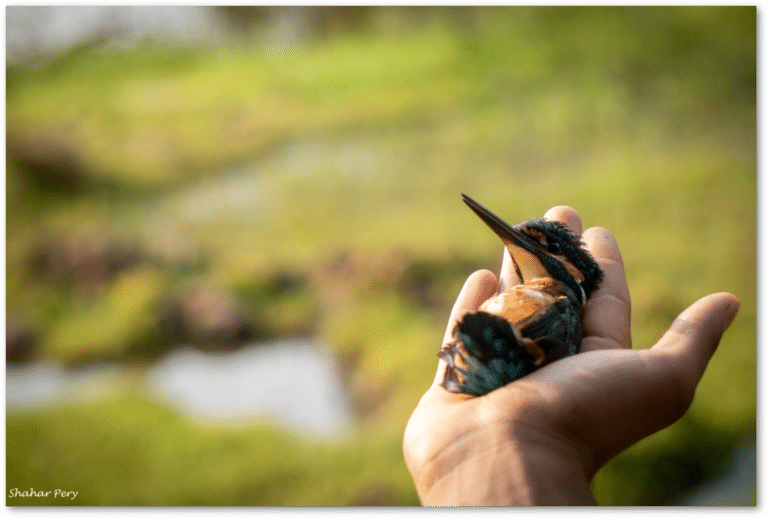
(486, 353)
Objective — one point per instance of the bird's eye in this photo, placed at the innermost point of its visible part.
(554, 247)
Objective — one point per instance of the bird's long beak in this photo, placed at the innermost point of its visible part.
(523, 250)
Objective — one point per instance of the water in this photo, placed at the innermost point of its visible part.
(51, 30)
(34, 30)
(43, 384)
(292, 383)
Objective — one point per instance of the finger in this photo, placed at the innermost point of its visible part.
(608, 311)
(508, 275)
(694, 336)
(566, 215)
(478, 287)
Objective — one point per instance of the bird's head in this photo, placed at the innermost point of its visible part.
(544, 248)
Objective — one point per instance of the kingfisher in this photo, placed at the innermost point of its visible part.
(528, 325)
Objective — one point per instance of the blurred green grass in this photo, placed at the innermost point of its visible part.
(643, 119)
(138, 453)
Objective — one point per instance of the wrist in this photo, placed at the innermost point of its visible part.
(504, 471)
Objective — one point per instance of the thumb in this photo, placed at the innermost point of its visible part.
(694, 335)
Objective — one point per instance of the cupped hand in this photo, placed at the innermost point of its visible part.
(539, 440)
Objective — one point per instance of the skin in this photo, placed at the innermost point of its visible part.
(541, 439)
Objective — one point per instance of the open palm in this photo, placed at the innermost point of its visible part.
(540, 439)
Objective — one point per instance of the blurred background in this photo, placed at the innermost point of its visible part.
(234, 235)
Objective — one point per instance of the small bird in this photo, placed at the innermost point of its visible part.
(528, 325)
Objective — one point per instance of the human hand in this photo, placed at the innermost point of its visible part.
(540, 439)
